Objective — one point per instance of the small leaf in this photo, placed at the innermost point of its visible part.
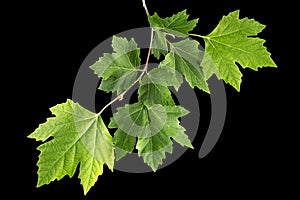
(233, 41)
(119, 69)
(177, 25)
(185, 58)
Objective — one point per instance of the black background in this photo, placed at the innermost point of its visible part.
(46, 44)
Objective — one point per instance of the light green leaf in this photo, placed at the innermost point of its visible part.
(119, 69)
(185, 58)
(76, 137)
(153, 126)
(155, 158)
(233, 40)
(181, 138)
(177, 25)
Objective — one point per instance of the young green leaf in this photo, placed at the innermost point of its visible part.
(153, 126)
(177, 25)
(185, 57)
(119, 69)
(233, 41)
(79, 137)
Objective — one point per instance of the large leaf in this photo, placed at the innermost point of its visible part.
(119, 69)
(74, 136)
(153, 148)
(233, 40)
(153, 126)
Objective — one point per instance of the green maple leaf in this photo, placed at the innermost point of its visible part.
(119, 69)
(185, 58)
(176, 25)
(233, 41)
(74, 136)
(153, 147)
(153, 126)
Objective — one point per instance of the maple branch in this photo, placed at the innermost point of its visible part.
(139, 79)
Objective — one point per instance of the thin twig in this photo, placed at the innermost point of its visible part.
(145, 7)
(149, 51)
(201, 36)
(120, 97)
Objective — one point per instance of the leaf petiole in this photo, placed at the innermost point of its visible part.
(200, 36)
